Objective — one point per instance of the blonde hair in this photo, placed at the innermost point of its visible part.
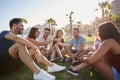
(56, 33)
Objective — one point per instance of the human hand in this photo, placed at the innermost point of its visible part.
(90, 49)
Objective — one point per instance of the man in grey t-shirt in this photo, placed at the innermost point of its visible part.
(76, 45)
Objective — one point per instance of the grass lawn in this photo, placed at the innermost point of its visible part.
(87, 74)
(26, 74)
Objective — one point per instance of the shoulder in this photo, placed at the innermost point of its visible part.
(109, 41)
(3, 33)
(81, 37)
(72, 40)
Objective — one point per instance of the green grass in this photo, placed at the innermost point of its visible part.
(90, 39)
(26, 74)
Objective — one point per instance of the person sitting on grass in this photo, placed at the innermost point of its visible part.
(57, 45)
(106, 59)
(43, 38)
(13, 50)
(76, 45)
(34, 35)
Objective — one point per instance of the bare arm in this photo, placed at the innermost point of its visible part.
(19, 40)
(61, 44)
(39, 43)
(101, 51)
(82, 47)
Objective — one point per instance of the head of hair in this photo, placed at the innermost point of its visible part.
(47, 29)
(77, 29)
(32, 32)
(15, 21)
(108, 30)
(56, 33)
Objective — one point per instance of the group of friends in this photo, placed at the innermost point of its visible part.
(35, 49)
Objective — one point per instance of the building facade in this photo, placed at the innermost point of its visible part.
(116, 7)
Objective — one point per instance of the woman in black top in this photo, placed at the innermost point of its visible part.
(57, 45)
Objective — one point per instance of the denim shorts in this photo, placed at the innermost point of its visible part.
(116, 74)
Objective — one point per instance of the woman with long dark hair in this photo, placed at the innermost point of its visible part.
(34, 33)
(106, 58)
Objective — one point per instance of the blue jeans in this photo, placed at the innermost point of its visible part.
(116, 74)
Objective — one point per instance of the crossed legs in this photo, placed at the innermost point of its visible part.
(56, 49)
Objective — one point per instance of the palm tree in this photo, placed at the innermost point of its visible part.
(52, 23)
(49, 21)
(25, 20)
(103, 6)
(70, 19)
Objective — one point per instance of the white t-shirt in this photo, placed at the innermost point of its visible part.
(42, 39)
(97, 42)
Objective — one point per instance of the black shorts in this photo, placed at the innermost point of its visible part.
(8, 64)
(74, 51)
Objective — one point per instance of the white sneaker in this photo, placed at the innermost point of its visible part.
(56, 68)
(43, 76)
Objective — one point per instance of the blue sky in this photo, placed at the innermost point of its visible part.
(37, 11)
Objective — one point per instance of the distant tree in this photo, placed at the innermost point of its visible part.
(116, 19)
(71, 21)
(52, 23)
(103, 6)
(25, 20)
(79, 25)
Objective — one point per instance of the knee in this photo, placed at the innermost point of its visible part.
(20, 45)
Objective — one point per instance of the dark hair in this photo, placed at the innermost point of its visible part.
(47, 29)
(108, 30)
(32, 32)
(15, 21)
